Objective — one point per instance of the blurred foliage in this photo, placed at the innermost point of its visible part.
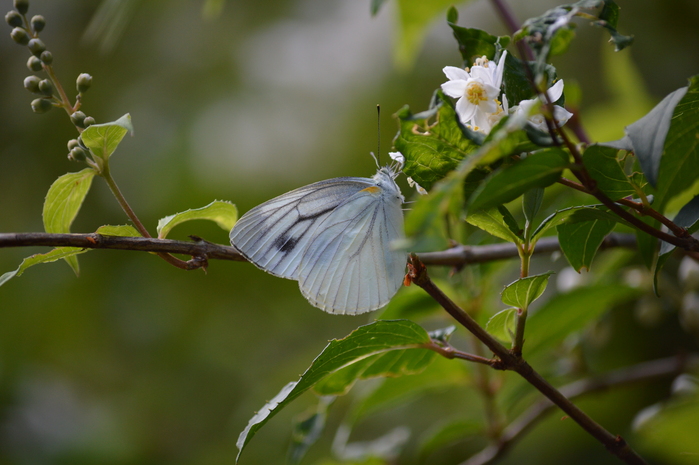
(138, 362)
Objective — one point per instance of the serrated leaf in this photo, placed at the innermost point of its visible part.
(375, 338)
(123, 230)
(540, 169)
(567, 313)
(579, 241)
(432, 149)
(680, 159)
(493, 222)
(603, 165)
(524, 291)
(62, 204)
(56, 254)
(103, 139)
(394, 363)
(223, 213)
(502, 324)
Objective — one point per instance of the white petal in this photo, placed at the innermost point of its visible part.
(505, 105)
(500, 69)
(454, 89)
(454, 73)
(484, 75)
(561, 115)
(481, 120)
(488, 106)
(465, 110)
(555, 91)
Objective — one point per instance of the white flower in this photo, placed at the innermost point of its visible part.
(531, 109)
(420, 190)
(476, 90)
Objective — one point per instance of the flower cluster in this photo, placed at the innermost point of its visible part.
(478, 90)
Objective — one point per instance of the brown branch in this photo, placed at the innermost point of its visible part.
(509, 361)
(456, 256)
(646, 371)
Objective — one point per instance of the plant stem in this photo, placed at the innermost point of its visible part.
(509, 361)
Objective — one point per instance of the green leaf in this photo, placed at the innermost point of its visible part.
(524, 291)
(688, 218)
(307, 429)
(567, 313)
(394, 363)
(584, 212)
(647, 135)
(432, 149)
(579, 240)
(446, 433)
(414, 17)
(223, 213)
(123, 230)
(475, 43)
(502, 324)
(103, 139)
(375, 338)
(531, 202)
(493, 222)
(62, 204)
(647, 244)
(56, 254)
(541, 169)
(603, 165)
(678, 167)
(393, 392)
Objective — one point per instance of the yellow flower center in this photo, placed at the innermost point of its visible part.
(475, 93)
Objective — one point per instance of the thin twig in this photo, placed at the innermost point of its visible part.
(646, 371)
(509, 361)
(456, 256)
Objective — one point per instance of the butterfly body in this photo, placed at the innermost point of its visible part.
(334, 237)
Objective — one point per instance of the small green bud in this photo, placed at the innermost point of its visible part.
(89, 121)
(13, 18)
(20, 36)
(72, 144)
(22, 6)
(46, 87)
(34, 64)
(78, 119)
(77, 154)
(41, 105)
(31, 83)
(46, 57)
(38, 23)
(83, 82)
(36, 46)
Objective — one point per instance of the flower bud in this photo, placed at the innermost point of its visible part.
(72, 144)
(36, 46)
(34, 64)
(78, 119)
(89, 121)
(46, 87)
(46, 57)
(20, 36)
(83, 82)
(31, 83)
(41, 105)
(22, 6)
(77, 154)
(13, 18)
(38, 22)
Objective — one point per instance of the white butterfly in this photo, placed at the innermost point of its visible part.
(334, 237)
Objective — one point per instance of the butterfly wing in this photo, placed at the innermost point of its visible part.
(350, 266)
(274, 235)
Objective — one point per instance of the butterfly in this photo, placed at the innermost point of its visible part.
(335, 237)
